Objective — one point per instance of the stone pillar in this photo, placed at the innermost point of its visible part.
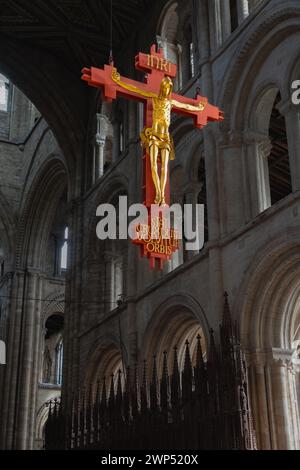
(9, 392)
(271, 381)
(215, 26)
(225, 19)
(100, 139)
(292, 119)
(206, 15)
(19, 401)
(99, 156)
(28, 366)
(243, 10)
(37, 351)
(202, 19)
(232, 200)
(258, 148)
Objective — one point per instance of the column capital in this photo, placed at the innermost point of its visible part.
(237, 138)
(269, 357)
(251, 136)
(102, 125)
(100, 140)
(282, 357)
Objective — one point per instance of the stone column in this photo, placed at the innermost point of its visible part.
(215, 26)
(206, 14)
(258, 148)
(20, 393)
(292, 119)
(232, 199)
(37, 351)
(100, 139)
(271, 382)
(225, 19)
(243, 10)
(24, 388)
(99, 156)
(202, 31)
(8, 401)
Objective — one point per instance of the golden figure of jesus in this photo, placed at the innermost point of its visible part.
(156, 139)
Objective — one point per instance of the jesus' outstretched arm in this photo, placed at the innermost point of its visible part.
(189, 107)
(116, 77)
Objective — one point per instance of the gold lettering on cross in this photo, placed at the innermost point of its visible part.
(164, 65)
(158, 63)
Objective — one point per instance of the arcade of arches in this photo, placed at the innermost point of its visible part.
(74, 309)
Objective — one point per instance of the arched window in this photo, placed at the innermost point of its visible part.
(188, 56)
(4, 89)
(278, 159)
(116, 280)
(58, 362)
(64, 250)
(272, 153)
(167, 39)
(47, 366)
(234, 14)
(53, 350)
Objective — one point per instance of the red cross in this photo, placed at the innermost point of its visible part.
(156, 68)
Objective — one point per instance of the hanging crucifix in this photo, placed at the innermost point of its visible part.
(159, 102)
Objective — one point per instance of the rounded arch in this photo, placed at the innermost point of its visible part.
(194, 160)
(188, 320)
(54, 303)
(269, 299)
(105, 359)
(268, 33)
(168, 22)
(262, 105)
(38, 212)
(185, 134)
(41, 419)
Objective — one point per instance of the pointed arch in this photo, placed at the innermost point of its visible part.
(38, 212)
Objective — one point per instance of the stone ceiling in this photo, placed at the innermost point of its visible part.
(76, 30)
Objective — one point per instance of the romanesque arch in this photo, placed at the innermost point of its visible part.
(269, 305)
(105, 359)
(268, 33)
(188, 320)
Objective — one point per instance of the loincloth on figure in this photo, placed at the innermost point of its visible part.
(163, 141)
